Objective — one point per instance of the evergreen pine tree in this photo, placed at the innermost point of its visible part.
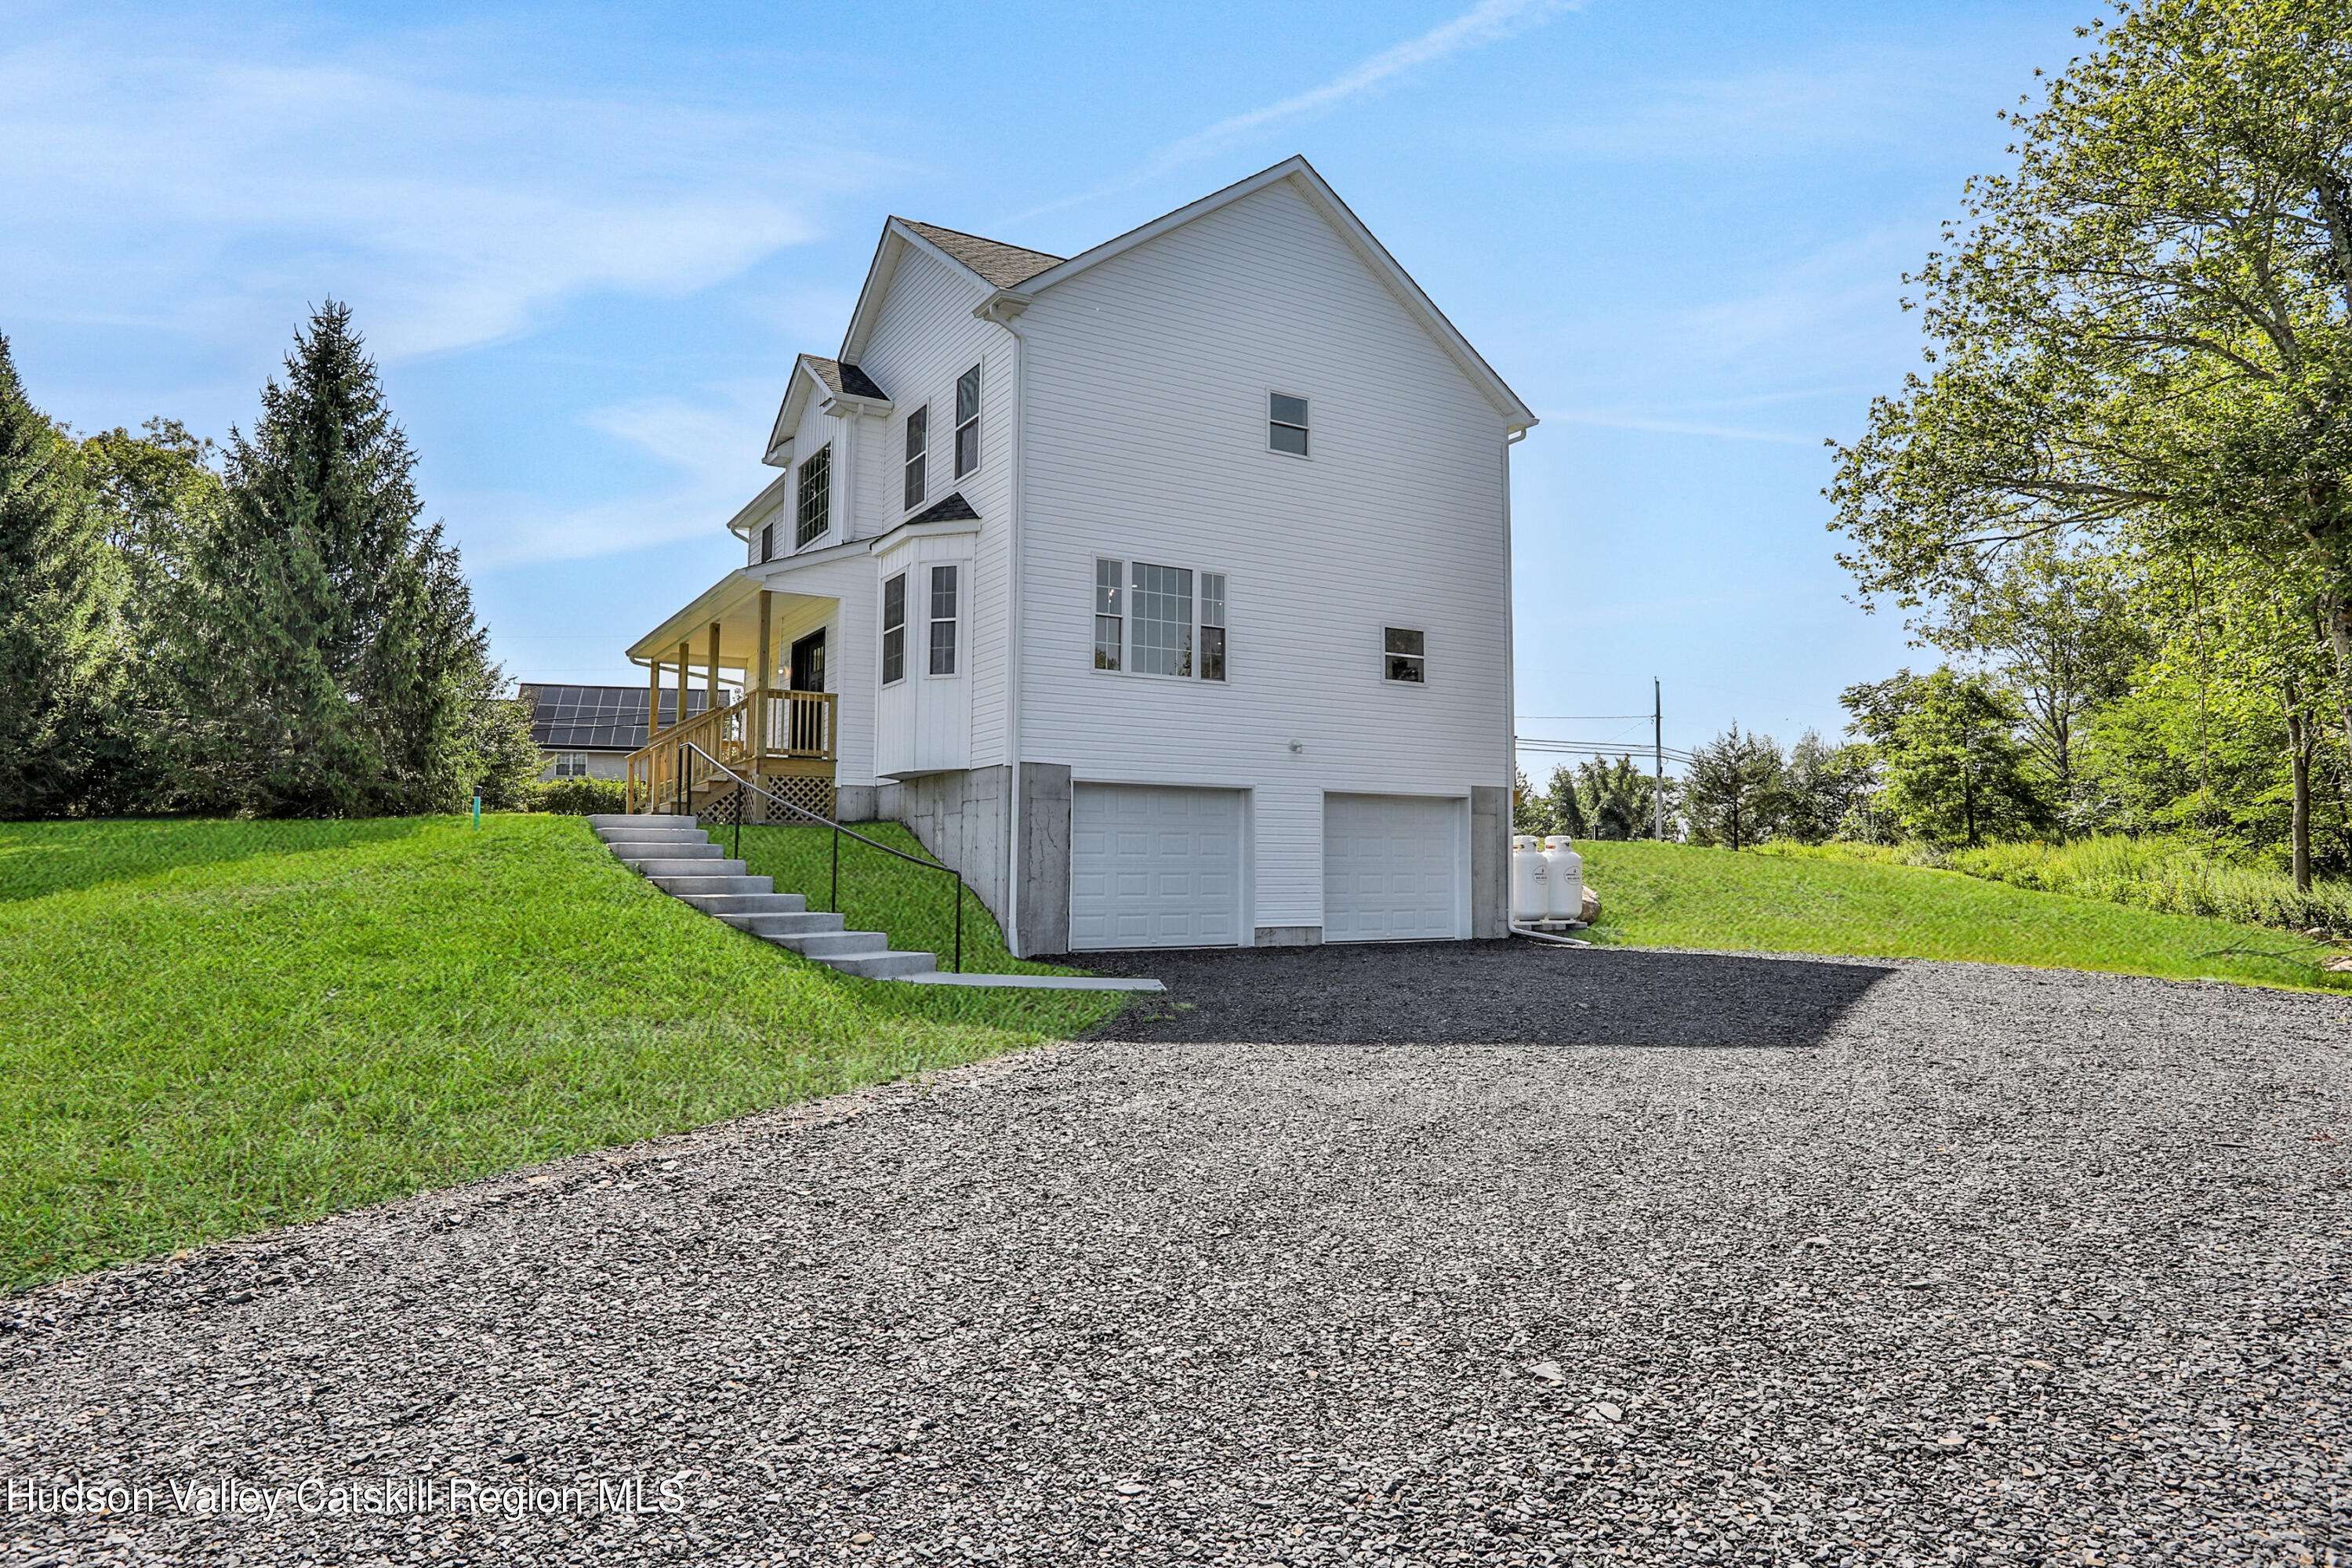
(61, 744)
(334, 656)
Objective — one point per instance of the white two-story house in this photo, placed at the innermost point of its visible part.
(1163, 590)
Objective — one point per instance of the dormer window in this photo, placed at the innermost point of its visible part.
(967, 427)
(815, 514)
(918, 441)
(1286, 423)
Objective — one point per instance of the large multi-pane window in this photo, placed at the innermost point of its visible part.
(1150, 621)
(943, 620)
(816, 498)
(894, 629)
(918, 442)
(967, 426)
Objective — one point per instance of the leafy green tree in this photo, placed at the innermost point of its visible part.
(62, 749)
(2062, 631)
(330, 662)
(1736, 793)
(1946, 745)
(1616, 800)
(2142, 337)
(1823, 788)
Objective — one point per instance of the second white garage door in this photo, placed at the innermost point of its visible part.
(1154, 866)
(1392, 868)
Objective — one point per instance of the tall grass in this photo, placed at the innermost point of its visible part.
(2159, 873)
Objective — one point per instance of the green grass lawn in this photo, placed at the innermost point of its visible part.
(1671, 895)
(212, 1027)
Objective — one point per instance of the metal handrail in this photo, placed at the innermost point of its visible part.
(685, 790)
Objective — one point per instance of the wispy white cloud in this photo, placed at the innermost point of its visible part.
(195, 189)
(1487, 22)
(710, 448)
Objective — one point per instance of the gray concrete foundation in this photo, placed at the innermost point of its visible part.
(963, 818)
(1490, 861)
(1289, 936)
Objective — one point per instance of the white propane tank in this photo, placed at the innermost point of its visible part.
(1528, 901)
(1564, 896)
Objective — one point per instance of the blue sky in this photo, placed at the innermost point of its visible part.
(586, 240)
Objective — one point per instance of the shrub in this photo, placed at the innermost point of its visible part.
(2162, 874)
(583, 797)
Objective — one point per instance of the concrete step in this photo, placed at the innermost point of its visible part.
(708, 882)
(725, 904)
(833, 943)
(888, 965)
(651, 827)
(639, 850)
(689, 866)
(801, 922)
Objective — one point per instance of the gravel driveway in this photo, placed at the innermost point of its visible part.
(1474, 1253)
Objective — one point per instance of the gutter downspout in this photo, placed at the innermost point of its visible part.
(1510, 678)
(1001, 308)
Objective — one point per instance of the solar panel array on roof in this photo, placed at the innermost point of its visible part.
(600, 718)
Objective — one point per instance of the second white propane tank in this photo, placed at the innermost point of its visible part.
(1529, 900)
(1564, 879)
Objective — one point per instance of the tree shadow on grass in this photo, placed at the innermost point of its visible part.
(1485, 993)
(38, 859)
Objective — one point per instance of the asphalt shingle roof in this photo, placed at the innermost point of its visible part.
(953, 509)
(846, 378)
(1005, 265)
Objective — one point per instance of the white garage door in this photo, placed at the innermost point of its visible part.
(1393, 868)
(1151, 866)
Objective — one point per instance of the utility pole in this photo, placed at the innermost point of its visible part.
(1658, 752)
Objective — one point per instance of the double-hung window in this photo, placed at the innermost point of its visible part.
(815, 512)
(918, 442)
(967, 425)
(894, 629)
(571, 764)
(1150, 620)
(768, 542)
(943, 620)
(1286, 423)
(1401, 651)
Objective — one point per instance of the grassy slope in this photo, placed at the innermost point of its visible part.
(1673, 896)
(208, 1027)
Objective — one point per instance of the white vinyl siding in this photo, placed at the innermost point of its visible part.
(1397, 521)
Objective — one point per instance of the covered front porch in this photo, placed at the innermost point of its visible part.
(774, 722)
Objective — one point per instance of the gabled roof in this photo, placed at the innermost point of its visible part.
(1016, 276)
(846, 378)
(831, 377)
(1000, 265)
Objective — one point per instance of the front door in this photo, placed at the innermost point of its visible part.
(807, 674)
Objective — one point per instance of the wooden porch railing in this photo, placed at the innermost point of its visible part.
(778, 732)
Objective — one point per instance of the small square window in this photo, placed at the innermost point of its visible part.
(1402, 649)
(1286, 423)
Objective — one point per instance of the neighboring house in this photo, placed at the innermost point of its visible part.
(588, 732)
(1208, 529)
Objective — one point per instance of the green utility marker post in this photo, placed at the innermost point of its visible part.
(478, 811)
